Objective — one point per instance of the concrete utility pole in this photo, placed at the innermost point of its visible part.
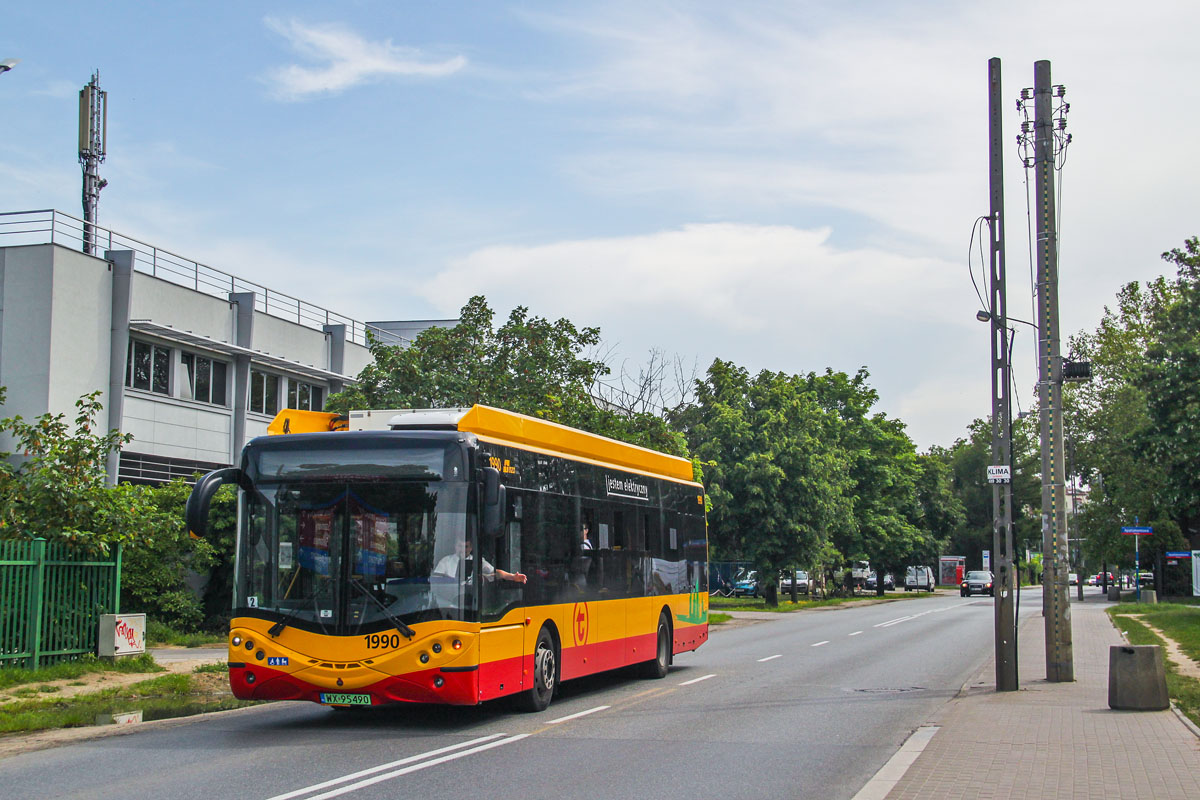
(1006, 582)
(1056, 608)
(93, 125)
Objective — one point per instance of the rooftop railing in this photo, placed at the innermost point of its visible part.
(47, 226)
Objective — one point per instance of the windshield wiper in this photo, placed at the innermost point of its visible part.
(278, 627)
(405, 631)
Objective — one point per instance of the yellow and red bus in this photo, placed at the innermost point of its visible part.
(356, 580)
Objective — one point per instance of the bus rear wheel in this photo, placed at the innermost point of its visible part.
(545, 674)
(658, 666)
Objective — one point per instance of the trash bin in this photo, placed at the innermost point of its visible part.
(1149, 596)
(1136, 678)
(1114, 593)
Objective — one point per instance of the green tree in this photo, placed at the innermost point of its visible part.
(775, 475)
(55, 487)
(156, 568)
(529, 365)
(1171, 382)
(54, 484)
(884, 473)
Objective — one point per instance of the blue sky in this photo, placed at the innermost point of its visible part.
(788, 185)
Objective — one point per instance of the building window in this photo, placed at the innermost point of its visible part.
(148, 367)
(264, 393)
(305, 396)
(205, 379)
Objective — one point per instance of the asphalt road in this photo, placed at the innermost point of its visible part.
(803, 705)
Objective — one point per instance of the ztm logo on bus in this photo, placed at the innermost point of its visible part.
(579, 626)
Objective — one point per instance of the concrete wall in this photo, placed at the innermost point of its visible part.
(55, 346)
(26, 291)
(178, 429)
(182, 308)
(80, 328)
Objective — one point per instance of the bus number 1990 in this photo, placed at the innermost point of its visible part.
(377, 641)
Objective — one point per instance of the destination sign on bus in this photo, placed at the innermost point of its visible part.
(626, 487)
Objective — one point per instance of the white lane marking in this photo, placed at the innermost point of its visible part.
(892, 621)
(697, 680)
(890, 773)
(818, 644)
(577, 716)
(771, 658)
(382, 767)
(387, 776)
(856, 633)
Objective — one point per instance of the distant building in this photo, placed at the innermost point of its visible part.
(192, 361)
(406, 330)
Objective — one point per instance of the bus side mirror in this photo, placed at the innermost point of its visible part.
(198, 502)
(493, 503)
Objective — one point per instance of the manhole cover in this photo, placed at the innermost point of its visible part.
(889, 690)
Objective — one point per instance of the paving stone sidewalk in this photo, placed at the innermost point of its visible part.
(1053, 740)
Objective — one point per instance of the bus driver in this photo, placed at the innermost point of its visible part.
(449, 565)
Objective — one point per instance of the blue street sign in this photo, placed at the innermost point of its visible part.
(1180, 554)
(1131, 530)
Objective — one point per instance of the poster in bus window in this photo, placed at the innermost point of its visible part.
(370, 538)
(316, 530)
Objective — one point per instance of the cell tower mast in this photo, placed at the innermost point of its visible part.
(93, 124)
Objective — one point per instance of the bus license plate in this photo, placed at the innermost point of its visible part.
(346, 699)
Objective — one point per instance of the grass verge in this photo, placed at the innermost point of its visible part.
(15, 676)
(159, 634)
(163, 697)
(786, 605)
(1182, 624)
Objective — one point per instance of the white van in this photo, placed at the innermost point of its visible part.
(918, 578)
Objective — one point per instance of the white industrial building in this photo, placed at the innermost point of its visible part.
(191, 361)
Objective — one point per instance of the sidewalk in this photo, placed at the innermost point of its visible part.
(1051, 740)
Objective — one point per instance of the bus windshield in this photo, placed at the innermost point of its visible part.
(345, 557)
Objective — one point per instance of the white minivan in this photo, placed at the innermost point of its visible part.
(918, 578)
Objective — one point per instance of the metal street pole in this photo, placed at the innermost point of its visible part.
(1002, 533)
(1055, 605)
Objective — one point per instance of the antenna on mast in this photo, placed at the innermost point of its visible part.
(93, 125)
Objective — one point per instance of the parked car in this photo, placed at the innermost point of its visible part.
(1072, 579)
(746, 584)
(918, 578)
(978, 581)
(888, 581)
(788, 577)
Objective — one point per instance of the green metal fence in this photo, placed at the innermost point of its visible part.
(51, 599)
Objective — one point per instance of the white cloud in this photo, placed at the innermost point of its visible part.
(348, 58)
(765, 296)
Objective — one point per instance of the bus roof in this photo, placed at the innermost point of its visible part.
(506, 426)
(499, 426)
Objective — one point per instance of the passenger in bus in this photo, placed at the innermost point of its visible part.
(449, 566)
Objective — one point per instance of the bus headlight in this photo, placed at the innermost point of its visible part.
(438, 681)
(457, 645)
(237, 641)
(424, 658)
(437, 647)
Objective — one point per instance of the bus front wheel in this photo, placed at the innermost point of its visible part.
(545, 674)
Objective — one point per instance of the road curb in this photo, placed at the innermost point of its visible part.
(15, 744)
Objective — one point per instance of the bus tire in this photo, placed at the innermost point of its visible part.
(545, 674)
(658, 666)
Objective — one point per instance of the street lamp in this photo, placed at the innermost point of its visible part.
(8, 64)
